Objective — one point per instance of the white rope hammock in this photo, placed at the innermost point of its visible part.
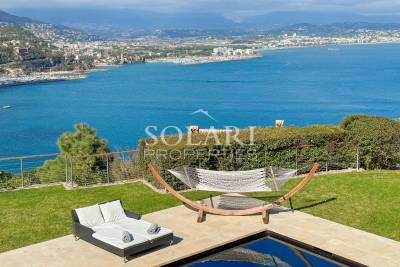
(258, 180)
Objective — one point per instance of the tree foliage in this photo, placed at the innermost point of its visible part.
(78, 150)
(21, 49)
(378, 139)
(292, 147)
(84, 141)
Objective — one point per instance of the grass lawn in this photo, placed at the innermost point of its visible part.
(34, 215)
(369, 201)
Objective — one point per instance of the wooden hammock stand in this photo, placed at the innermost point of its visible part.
(264, 209)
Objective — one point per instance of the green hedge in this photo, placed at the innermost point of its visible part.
(293, 147)
(378, 139)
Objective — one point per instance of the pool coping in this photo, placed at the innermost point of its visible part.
(309, 248)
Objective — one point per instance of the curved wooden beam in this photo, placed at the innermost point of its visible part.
(300, 185)
(262, 209)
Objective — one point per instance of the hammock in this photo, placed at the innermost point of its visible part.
(258, 180)
(241, 181)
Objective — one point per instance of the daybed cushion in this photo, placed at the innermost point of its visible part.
(112, 211)
(113, 236)
(139, 227)
(90, 216)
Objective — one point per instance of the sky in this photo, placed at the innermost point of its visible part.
(229, 8)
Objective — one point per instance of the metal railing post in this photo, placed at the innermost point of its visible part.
(328, 154)
(358, 159)
(108, 170)
(30, 162)
(297, 159)
(71, 172)
(22, 172)
(66, 168)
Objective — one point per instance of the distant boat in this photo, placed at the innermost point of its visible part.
(6, 107)
(333, 49)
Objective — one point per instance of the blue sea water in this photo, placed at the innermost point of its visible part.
(302, 86)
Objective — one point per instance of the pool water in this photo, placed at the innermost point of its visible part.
(266, 251)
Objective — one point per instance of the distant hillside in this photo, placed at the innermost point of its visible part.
(8, 18)
(120, 23)
(286, 18)
(334, 29)
(21, 49)
(47, 31)
(22, 52)
(57, 33)
(85, 18)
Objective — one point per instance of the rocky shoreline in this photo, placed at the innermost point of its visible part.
(9, 81)
(39, 78)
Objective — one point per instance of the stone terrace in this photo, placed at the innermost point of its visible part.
(193, 238)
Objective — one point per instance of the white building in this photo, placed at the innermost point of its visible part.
(229, 51)
(219, 51)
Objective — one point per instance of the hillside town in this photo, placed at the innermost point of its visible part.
(80, 56)
(150, 48)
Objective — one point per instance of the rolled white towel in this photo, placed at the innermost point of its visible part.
(127, 237)
(153, 229)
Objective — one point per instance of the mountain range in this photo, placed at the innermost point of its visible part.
(280, 19)
(148, 19)
(48, 31)
(126, 23)
(8, 18)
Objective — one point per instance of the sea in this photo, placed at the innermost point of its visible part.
(302, 86)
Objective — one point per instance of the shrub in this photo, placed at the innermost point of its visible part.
(125, 169)
(347, 121)
(7, 181)
(293, 147)
(378, 139)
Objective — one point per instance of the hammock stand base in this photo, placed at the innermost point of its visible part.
(265, 216)
(264, 209)
(201, 216)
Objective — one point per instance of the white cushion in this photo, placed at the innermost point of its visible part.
(106, 226)
(139, 227)
(112, 211)
(90, 216)
(113, 236)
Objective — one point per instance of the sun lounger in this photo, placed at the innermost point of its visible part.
(104, 225)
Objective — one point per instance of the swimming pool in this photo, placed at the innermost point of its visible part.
(269, 249)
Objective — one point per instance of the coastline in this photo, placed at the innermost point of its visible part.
(190, 60)
(41, 78)
(324, 45)
(195, 60)
(74, 75)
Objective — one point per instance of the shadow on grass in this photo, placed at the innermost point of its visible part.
(269, 198)
(316, 203)
(273, 198)
(266, 199)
